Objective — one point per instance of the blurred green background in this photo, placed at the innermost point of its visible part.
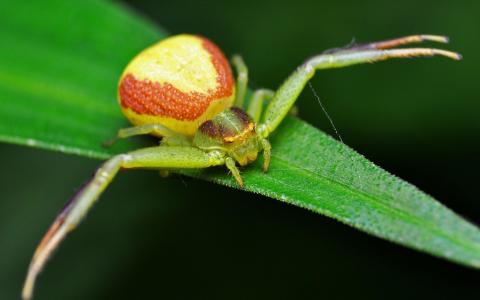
(179, 238)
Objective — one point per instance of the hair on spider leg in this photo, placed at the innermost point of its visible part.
(325, 111)
(350, 45)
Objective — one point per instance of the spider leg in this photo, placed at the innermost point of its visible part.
(267, 153)
(392, 43)
(230, 163)
(242, 80)
(155, 129)
(255, 107)
(77, 208)
(287, 94)
(259, 97)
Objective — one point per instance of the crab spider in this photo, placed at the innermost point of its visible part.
(182, 90)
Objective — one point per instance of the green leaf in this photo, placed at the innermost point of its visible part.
(58, 76)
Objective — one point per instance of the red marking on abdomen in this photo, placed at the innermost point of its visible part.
(152, 98)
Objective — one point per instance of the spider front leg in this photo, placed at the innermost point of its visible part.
(289, 91)
(77, 208)
(388, 44)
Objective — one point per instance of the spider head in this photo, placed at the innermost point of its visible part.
(231, 131)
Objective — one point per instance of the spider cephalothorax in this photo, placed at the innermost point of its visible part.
(182, 89)
(233, 132)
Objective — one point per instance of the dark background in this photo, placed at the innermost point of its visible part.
(179, 238)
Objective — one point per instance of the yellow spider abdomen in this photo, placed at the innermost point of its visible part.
(179, 82)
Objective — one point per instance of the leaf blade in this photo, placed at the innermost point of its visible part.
(58, 86)
(402, 214)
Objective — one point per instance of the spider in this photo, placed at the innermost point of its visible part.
(182, 90)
